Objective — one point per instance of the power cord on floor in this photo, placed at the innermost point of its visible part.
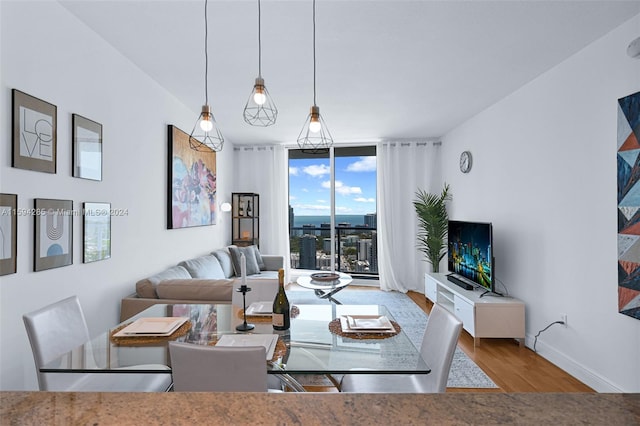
(535, 339)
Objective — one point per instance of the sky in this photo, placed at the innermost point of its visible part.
(309, 186)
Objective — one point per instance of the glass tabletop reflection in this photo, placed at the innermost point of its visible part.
(310, 347)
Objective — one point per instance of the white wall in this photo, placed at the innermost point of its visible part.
(545, 174)
(48, 53)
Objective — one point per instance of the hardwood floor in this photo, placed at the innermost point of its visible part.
(511, 367)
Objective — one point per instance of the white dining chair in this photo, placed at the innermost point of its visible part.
(200, 368)
(438, 345)
(61, 328)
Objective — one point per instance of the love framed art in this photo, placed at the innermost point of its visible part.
(34, 124)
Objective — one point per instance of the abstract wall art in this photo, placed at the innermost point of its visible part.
(629, 205)
(192, 183)
(53, 233)
(87, 148)
(8, 233)
(34, 124)
(96, 240)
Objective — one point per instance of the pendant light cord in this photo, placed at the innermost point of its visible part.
(314, 52)
(206, 56)
(259, 43)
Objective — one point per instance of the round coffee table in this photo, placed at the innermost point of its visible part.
(325, 289)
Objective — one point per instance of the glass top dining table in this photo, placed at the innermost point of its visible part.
(309, 345)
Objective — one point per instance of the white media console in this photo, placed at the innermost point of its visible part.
(489, 316)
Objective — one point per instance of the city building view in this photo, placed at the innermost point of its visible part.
(356, 245)
(353, 181)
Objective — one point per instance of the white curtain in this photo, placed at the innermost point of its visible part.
(264, 170)
(403, 167)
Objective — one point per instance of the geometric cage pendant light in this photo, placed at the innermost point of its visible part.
(314, 138)
(205, 135)
(260, 110)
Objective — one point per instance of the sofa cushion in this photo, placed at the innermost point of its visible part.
(205, 267)
(147, 287)
(195, 289)
(250, 256)
(224, 258)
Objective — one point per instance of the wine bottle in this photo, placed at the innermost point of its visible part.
(281, 318)
(249, 208)
(240, 209)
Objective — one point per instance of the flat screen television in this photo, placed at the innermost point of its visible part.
(470, 255)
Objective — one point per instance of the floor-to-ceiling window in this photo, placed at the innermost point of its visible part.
(333, 205)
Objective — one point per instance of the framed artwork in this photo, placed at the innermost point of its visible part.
(629, 205)
(87, 148)
(191, 184)
(34, 124)
(8, 233)
(96, 230)
(53, 233)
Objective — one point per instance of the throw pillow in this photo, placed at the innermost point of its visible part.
(250, 256)
(261, 264)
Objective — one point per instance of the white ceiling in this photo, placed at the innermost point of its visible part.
(385, 69)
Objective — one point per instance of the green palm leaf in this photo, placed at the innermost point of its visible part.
(433, 222)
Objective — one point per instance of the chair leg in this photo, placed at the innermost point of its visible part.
(335, 382)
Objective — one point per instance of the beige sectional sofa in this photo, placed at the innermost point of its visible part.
(211, 278)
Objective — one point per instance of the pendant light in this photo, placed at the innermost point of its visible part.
(205, 135)
(260, 109)
(314, 137)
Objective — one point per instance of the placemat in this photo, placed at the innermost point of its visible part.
(262, 319)
(336, 328)
(279, 352)
(147, 340)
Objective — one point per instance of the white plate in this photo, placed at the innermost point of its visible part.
(161, 326)
(260, 309)
(366, 323)
(268, 341)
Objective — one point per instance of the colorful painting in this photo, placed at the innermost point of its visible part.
(54, 233)
(629, 205)
(192, 183)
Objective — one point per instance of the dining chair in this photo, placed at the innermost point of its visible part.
(61, 328)
(438, 345)
(200, 368)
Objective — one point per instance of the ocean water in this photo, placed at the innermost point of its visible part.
(352, 219)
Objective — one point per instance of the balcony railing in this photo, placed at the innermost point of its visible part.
(356, 250)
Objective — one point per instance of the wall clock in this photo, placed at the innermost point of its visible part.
(465, 162)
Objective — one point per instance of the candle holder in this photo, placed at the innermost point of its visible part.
(244, 326)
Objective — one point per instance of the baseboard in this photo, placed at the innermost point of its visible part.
(569, 365)
(365, 282)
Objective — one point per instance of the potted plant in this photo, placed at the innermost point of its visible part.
(433, 221)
